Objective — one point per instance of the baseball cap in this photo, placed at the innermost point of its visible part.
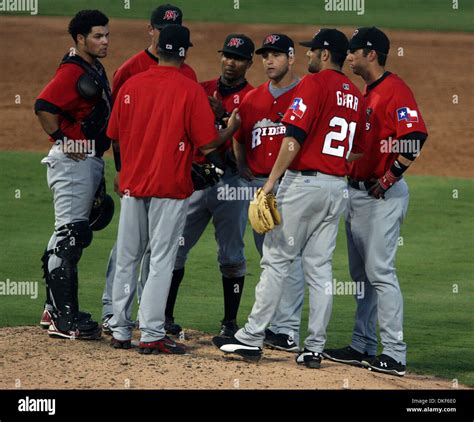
(371, 38)
(238, 44)
(277, 42)
(166, 14)
(173, 38)
(329, 39)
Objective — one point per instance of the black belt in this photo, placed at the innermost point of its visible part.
(309, 172)
(356, 184)
(265, 176)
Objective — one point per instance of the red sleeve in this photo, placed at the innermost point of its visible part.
(304, 108)
(120, 76)
(201, 129)
(189, 72)
(61, 90)
(403, 114)
(358, 145)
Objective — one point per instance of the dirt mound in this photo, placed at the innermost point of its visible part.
(30, 359)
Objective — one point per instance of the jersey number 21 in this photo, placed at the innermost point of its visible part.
(340, 136)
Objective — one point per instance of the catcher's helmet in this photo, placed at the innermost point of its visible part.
(101, 215)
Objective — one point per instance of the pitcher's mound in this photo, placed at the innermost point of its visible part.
(30, 359)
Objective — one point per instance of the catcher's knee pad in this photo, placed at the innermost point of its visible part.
(76, 237)
(238, 269)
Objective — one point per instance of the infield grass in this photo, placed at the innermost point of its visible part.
(434, 266)
(436, 15)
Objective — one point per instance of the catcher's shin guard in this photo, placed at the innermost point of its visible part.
(62, 282)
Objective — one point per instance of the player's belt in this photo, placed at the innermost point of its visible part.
(359, 185)
(263, 176)
(309, 172)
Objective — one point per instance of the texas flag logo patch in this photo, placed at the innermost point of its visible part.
(298, 107)
(410, 116)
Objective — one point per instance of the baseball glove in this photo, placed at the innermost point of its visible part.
(205, 175)
(263, 212)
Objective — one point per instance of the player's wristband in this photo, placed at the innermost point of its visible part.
(397, 169)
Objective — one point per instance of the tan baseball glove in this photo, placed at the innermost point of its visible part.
(263, 212)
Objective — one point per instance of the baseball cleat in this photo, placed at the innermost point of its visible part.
(105, 325)
(309, 359)
(165, 345)
(228, 328)
(280, 342)
(346, 355)
(79, 332)
(385, 364)
(45, 320)
(232, 345)
(172, 328)
(121, 344)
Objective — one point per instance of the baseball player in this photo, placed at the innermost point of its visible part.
(165, 14)
(159, 117)
(256, 146)
(73, 110)
(228, 216)
(378, 201)
(322, 127)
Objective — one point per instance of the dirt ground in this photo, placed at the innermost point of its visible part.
(65, 364)
(435, 66)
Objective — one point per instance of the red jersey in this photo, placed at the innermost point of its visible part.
(329, 108)
(139, 63)
(261, 130)
(62, 93)
(159, 117)
(230, 101)
(391, 112)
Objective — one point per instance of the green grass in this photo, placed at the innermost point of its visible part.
(408, 14)
(438, 243)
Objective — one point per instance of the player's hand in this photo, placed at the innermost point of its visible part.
(245, 173)
(216, 105)
(76, 156)
(117, 184)
(233, 123)
(382, 185)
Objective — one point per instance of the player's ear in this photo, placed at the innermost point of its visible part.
(372, 56)
(325, 55)
(249, 64)
(81, 39)
(150, 30)
(291, 59)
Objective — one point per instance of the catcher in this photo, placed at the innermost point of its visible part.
(73, 110)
